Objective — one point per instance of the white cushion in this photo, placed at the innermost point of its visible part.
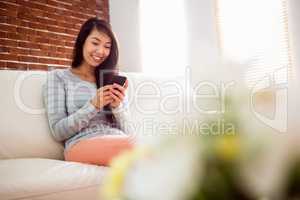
(24, 129)
(49, 179)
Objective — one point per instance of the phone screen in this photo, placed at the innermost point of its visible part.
(119, 80)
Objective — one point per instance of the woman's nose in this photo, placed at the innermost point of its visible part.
(100, 50)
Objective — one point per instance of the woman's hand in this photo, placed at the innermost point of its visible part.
(103, 97)
(118, 94)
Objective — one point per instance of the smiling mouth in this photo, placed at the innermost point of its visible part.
(97, 59)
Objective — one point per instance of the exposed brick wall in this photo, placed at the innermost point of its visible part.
(37, 34)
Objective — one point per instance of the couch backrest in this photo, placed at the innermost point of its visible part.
(24, 130)
(156, 105)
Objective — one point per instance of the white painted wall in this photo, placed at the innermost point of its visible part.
(201, 31)
(293, 90)
(294, 27)
(203, 44)
(125, 23)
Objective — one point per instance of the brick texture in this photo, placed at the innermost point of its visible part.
(39, 34)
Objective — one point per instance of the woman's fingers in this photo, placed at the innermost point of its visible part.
(119, 87)
(126, 84)
(111, 94)
(108, 92)
(109, 98)
(119, 94)
(105, 96)
(105, 88)
(117, 98)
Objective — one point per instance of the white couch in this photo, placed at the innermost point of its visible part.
(31, 161)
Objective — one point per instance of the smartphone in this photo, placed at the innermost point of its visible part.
(119, 80)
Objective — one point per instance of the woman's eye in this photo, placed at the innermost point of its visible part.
(95, 43)
(107, 47)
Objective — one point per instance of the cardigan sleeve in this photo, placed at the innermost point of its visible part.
(62, 125)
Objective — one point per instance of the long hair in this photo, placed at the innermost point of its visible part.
(107, 68)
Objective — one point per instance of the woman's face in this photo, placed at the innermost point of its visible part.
(96, 48)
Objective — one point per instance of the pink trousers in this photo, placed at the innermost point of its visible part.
(98, 150)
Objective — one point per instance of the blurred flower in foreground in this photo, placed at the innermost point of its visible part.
(114, 182)
(167, 174)
(163, 172)
(247, 161)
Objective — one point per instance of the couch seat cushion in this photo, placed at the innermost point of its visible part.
(47, 179)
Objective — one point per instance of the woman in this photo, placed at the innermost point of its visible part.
(84, 110)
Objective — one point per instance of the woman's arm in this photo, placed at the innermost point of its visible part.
(61, 125)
